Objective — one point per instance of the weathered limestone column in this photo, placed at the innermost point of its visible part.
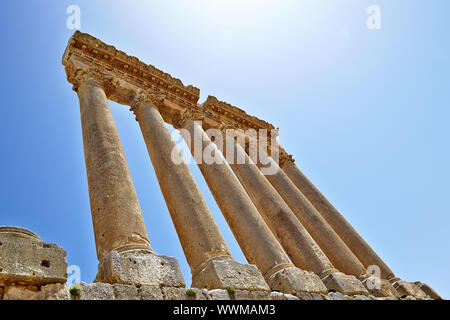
(259, 245)
(296, 241)
(342, 227)
(117, 218)
(327, 239)
(211, 263)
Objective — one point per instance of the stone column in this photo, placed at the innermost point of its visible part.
(342, 227)
(296, 241)
(335, 249)
(327, 239)
(259, 245)
(117, 218)
(211, 264)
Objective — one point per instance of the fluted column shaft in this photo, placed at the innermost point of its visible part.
(198, 233)
(259, 245)
(341, 226)
(294, 238)
(327, 239)
(116, 214)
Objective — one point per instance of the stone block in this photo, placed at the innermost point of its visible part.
(218, 294)
(428, 290)
(250, 295)
(408, 289)
(345, 284)
(18, 292)
(304, 296)
(173, 293)
(275, 295)
(150, 292)
(139, 267)
(222, 273)
(96, 291)
(318, 296)
(62, 294)
(125, 292)
(335, 296)
(292, 280)
(385, 289)
(26, 260)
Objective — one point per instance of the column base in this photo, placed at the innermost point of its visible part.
(408, 289)
(292, 280)
(385, 289)
(428, 290)
(139, 265)
(223, 271)
(345, 284)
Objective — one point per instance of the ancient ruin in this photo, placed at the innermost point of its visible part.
(297, 244)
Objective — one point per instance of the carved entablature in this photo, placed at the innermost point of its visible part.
(124, 77)
(94, 53)
(234, 117)
(285, 157)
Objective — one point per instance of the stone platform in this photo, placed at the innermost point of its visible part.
(104, 291)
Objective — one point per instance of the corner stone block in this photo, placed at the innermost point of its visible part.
(428, 290)
(140, 267)
(409, 289)
(345, 284)
(26, 260)
(293, 280)
(222, 273)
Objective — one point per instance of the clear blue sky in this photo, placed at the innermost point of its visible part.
(364, 112)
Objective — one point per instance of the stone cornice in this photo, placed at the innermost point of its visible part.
(233, 117)
(95, 53)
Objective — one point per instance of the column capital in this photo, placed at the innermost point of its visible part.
(146, 98)
(92, 76)
(223, 127)
(186, 115)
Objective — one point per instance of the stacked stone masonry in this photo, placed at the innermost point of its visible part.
(298, 246)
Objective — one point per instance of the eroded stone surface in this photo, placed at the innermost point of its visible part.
(150, 292)
(343, 283)
(138, 268)
(293, 280)
(219, 274)
(96, 291)
(125, 292)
